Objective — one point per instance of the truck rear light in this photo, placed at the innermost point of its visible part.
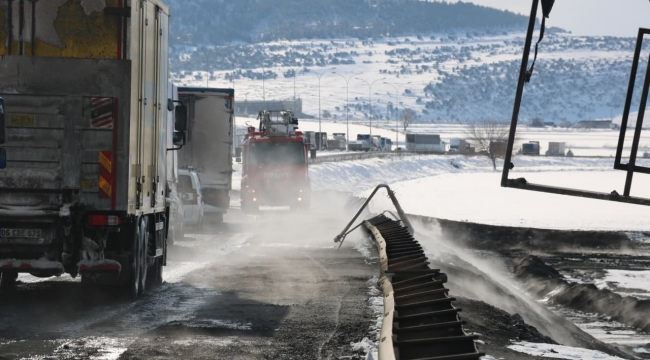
(104, 220)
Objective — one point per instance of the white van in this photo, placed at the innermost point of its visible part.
(189, 189)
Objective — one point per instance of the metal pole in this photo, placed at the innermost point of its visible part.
(370, 111)
(370, 101)
(520, 91)
(320, 142)
(294, 90)
(637, 134)
(397, 88)
(347, 115)
(263, 87)
(397, 121)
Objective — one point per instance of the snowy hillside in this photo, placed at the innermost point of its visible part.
(217, 22)
(446, 76)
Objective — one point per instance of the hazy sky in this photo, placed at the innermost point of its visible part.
(586, 17)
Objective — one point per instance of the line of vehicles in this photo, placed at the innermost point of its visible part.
(104, 162)
(364, 142)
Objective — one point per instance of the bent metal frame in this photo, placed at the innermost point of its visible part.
(630, 167)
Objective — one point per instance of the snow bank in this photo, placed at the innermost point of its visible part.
(559, 351)
(467, 189)
(361, 175)
(625, 279)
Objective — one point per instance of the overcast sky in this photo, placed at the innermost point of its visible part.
(586, 17)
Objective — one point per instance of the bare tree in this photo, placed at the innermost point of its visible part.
(489, 138)
(408, 115)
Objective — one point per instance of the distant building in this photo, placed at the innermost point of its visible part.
(255, 106)
(425, 143)
(594, 124)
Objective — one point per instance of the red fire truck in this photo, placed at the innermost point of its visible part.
(274, 171)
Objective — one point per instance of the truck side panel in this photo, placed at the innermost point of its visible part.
(149, 50)
(60, 28)
(210, 138)
(54, 140)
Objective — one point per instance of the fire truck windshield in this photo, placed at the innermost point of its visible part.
(277, 153)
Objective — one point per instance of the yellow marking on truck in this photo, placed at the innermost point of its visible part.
(105, 187)
(88, 185)
(22, 120)
(105, 162)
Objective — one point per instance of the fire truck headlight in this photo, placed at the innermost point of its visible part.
(254, 199)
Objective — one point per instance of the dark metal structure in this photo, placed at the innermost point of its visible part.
(525, 75)
(420, 321)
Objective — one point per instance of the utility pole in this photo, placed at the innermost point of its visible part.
(347, 108)
(320, 142)
(397, 88)
(370, 100)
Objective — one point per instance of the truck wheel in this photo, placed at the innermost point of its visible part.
(8, 279)
(144, 251)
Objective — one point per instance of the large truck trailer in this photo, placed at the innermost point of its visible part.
(85, 90)
(209, 144)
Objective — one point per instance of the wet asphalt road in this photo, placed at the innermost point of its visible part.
(267, 287)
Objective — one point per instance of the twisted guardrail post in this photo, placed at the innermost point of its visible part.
(400, 212)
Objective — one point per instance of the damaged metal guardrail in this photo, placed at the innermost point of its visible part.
(420, 321)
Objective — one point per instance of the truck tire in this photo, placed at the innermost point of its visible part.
(8, 279)
(144, 252)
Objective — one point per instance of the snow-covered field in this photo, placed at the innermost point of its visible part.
(559, 351)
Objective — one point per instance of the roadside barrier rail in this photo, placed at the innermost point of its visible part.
(420, 321)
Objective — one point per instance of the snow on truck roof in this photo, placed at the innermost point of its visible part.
(229, 92)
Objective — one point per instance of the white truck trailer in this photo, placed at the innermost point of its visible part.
(209, 144)
(85, 139)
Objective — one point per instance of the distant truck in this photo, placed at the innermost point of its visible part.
(556, 149)
(85, 135)
(530, 148)
(425, 143)
(361, 144)
(386, 144)
(460, 146)
(209, 144)
(321, 140)
(337, 142)
(310, 139)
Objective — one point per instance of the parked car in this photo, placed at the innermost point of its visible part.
(189, 189)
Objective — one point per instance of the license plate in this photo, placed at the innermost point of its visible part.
(21, 233)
